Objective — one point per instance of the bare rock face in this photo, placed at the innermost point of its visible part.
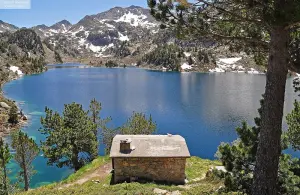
(4, 27)
(4, 105)
(28, 41)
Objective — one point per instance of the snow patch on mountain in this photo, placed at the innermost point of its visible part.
(230, 65)
(86, 33)
(187, 54)
(123, 37)
(94, 48)
(82, 41)
(185, 66)
(99, 49)
(64, 30)
(54, 31)
(77, 31)
(110, 26)
(16, 70)
(7, 27)
(253, 71)
(217, 70)
(135, 20)
(155, 31)
(228, 61)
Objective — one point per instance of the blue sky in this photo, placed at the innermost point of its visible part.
(51, 11)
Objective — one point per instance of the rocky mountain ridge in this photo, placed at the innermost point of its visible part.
(126, 36)
(7, 27)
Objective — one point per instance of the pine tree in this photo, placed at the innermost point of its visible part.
(165, 55)
(26, 151)
(107, 135)
(293, 122)
(95, 108)
(5, 157)
(266, 28)
(3, 77)
(138, 124)
(13, 115)
(70, 139)
(239, 160)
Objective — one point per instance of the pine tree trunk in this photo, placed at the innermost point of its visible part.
(76, 163)
(25, 172)
(26, 179)
(4, 178)
(94, 156)
(24, 165)
(269, 148)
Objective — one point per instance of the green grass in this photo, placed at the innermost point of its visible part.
(196, 168)
(87, 169)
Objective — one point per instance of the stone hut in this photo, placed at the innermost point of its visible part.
(157, 158)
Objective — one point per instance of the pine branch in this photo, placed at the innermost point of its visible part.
(290, 26)
(223, 10)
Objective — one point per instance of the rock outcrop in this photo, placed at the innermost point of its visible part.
(4, 105)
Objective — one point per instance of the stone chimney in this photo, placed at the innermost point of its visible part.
(125, 146)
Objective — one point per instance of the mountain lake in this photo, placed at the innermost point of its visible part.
(205, 108)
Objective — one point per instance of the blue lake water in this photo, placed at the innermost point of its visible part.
(204, 108)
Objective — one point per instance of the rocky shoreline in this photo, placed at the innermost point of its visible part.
(6, 105)
(239, 63)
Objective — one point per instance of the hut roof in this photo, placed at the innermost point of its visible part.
(151, 146)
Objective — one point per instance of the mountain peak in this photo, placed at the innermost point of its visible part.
(135, 7)
(59, 24)
(65, 22)
(62, 26)
(7, 27)
(42, 26)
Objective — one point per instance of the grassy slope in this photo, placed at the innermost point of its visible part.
(195, 170)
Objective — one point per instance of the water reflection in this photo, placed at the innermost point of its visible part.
(67, 65)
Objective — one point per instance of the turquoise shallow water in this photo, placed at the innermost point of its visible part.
(204, 108)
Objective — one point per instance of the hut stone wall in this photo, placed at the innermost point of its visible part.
(163, 169)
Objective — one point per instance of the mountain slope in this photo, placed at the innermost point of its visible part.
(4, 27)
(62, 26)
(21, 51)
(130, 36)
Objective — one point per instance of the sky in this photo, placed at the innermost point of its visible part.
(49, 12)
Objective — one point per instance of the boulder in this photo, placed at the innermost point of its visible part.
(160, 191)
(175, 192)
(218, 168)
(4, 105)
(24, 118)
(165, 192)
